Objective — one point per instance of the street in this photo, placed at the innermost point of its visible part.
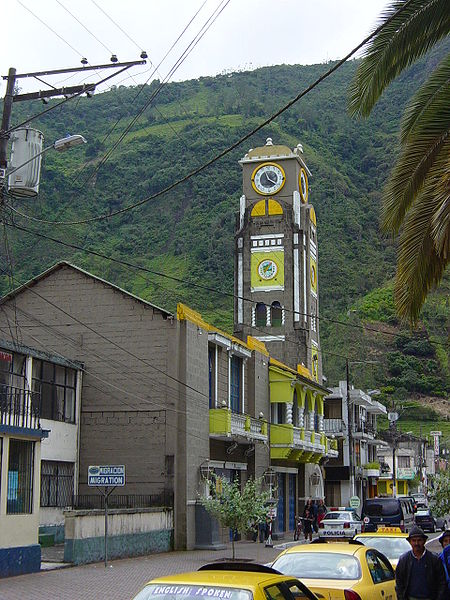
(122, 579)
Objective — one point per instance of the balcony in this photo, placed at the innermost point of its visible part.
(19, 408)
(371, 470)
(295, 443)
(225, 424)
(334, 427)
(364, 431)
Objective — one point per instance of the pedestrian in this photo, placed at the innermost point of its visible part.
(419, 573)
(315, 514)
(445, 556)
(308, 519)
(262, 528)
(321, 511)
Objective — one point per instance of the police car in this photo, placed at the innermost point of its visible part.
(340, 522)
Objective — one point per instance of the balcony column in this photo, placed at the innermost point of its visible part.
(301, 416)
(288, 413)
(312, 415)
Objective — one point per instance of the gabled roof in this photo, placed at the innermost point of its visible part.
(61, 264)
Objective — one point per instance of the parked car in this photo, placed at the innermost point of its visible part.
(340, 570)
(393, 512)
(227, 581)
(420, 499)
(426, 520)
(340, 522)
(443, 523)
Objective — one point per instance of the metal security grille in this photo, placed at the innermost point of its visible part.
(91, 501)
(56, 483)
(20, 477)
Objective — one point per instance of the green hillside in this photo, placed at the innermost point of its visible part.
(188, 232)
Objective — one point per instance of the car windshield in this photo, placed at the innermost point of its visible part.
(318, 565)
(168, 591)
(341, 516)
(387, 508)
(391, 547)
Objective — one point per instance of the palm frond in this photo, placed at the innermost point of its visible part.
(420, 264)
(430, 106)
(410, 173)
(440, 226)
(407, 37)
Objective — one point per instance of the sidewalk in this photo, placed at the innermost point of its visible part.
(122, 579)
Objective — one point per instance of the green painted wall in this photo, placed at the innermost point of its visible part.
(80, 551)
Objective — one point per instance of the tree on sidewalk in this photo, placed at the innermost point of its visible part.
(240, 510)
(440, 494)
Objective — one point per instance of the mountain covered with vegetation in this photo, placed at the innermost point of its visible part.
(187, 233)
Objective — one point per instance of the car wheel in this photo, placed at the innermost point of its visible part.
(433, 528)
(444, 526)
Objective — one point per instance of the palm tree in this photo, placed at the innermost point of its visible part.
(416, 203)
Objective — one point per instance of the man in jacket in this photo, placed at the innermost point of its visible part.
(445, 555)
(419, 573)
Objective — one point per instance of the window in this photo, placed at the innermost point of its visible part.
(379, 569)
(20, 477)
(56, 483)
(319, 565)
(404, 462)
(211, 363)
(12, 369)
(276, 314)
(56, 385)
(235, 384)
(12, 387)
(274, 593)
(261, 314)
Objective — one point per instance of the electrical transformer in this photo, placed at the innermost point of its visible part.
(25, 163)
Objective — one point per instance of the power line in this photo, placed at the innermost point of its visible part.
(133, 100)
(50, 28)
(193, 284)
(84, 26)
(242, 139)
(174, 68)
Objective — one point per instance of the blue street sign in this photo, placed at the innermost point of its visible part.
(107, 475)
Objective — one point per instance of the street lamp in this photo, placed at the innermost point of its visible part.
(26, 152)
(61, 145)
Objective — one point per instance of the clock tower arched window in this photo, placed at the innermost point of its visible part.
(276, 314)
(260, 314)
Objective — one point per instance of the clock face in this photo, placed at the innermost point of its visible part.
(303, 184)
(267, 269)
(268, 178)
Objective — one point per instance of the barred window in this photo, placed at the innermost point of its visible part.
(56, 483)
(56, 384)
(20, 477)
(12, 369)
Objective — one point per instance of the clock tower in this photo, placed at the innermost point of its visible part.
(276, 283)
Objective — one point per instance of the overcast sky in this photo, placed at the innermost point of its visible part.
(247, 34)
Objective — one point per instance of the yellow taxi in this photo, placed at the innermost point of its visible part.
(391, 541)
(227, 581)
(340, 570)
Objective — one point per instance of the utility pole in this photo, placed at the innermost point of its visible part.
(350, 433)
(4, 135)
(75, 90)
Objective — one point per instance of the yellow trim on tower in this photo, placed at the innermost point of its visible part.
(312, 215)
(259, 209)
(275, 207)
